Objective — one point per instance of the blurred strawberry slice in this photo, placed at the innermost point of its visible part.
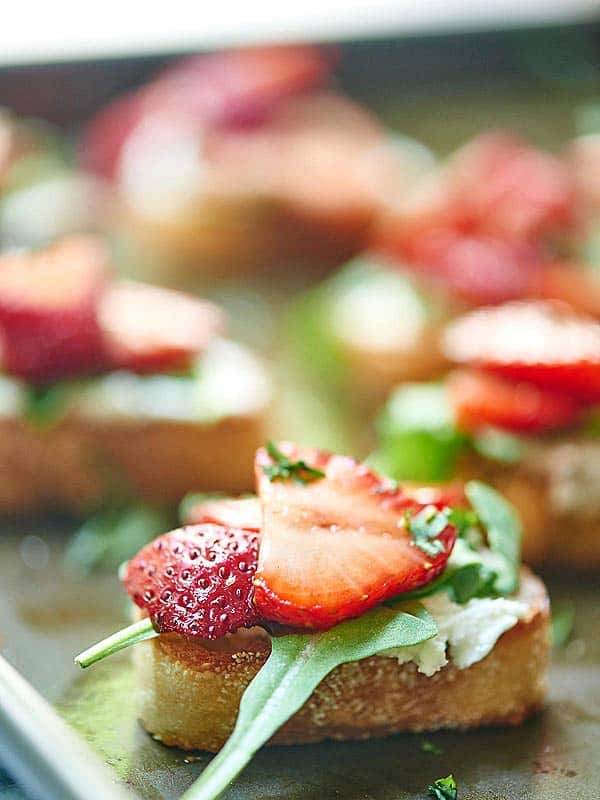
(480, 400)
(334, 546)
(147, 329)
(233, 89)
(244, 513)
(48, 305)
(510, 189)
(480, 268)
(544, 343)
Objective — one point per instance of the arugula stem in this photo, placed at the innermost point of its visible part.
(138, 632)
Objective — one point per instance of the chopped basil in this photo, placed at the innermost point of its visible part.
(431, 747)
(425, 527)
(443, 789)
(472, 570)
(284, 468)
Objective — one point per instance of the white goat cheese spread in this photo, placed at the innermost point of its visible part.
(466, 633)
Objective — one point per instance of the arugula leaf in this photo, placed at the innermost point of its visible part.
(503, 529)
(45, 405)
(110, 537)
(563, 618)
(296, 666)
(443, 789)
(283, 468)
(499, 445)
(418, 439)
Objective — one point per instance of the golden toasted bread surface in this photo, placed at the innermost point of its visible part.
(189, 690)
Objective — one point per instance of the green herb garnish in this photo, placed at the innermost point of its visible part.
(425, 527)
(418, 438)
(443, 789)
(563, 618)
(284, 468)
(430, 747)
(503, 529)
(46, 405)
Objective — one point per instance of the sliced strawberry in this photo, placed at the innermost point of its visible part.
(481, 400)
(231, 89)
(245, 513)
(511, 190)
(148, 329)
(48, 310)
(480, 268)
(197, 580)
(333, 547)
(546, 344)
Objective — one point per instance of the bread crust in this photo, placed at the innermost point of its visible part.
(189, 691)
(551, 538)
(78, 465)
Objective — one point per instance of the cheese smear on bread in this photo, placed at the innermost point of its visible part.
(466, 633)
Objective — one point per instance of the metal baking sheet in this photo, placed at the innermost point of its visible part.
(46, 616)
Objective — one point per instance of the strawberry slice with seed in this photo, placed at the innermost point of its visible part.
(148, 329)
(334, 546)
(543, 343)
(481, 400)
(48, 305)
(245, 513)
(197, 580)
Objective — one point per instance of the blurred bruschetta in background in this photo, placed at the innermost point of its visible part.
(239, 162)
(117, 389)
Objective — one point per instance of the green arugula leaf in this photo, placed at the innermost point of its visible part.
(563, 618)
(418, 439)
(296, 666)
(46, 405)
(283, 468)
(503, 529)
(443, 789)
(498, 445)
(110, 537)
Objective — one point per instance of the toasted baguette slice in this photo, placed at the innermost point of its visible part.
(189, 690)
(122, 445)
(554, 488)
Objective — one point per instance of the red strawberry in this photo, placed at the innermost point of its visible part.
(546, 344)
(478, 267)
(148, 329)
(197, 580)
(333, 547)
(245, 513)
(231, 89)
(510, 189)
(48, 310)
(480, 400)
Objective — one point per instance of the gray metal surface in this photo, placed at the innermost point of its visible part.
(46, 617)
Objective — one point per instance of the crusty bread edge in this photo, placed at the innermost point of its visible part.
(189, 693)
